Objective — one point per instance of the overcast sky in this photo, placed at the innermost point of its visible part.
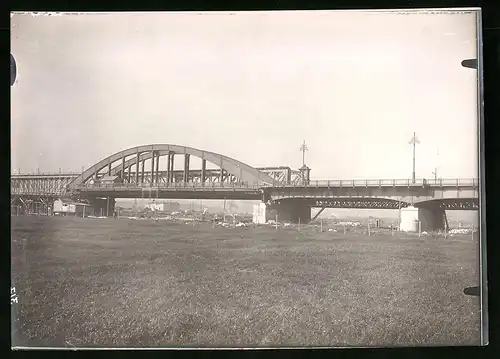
(252, 86)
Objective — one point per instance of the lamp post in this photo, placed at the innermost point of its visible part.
(414, 141)
(303, 149)
(304, 169)
(437, 164)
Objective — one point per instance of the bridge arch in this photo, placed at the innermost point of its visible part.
(240, 170)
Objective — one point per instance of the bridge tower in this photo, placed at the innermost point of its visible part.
(305, 174)
(294, 210)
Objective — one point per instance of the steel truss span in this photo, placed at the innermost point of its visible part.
(41, 185)
(280, 175)
(448, 204)
(358, 203)
(453, 204)
(55, 184)
(122, 163)
(31, 204)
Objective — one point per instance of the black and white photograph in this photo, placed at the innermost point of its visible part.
(247, 179)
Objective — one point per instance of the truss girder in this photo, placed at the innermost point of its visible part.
(459, 204)
(452, 204)
(297, 177)
(281, 174)
(178, 177)
(40, 185)
(359, 203)
(194, 175)
(31, 204)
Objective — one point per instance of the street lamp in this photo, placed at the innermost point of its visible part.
(414, 141)
(303, 149)
(437, 164)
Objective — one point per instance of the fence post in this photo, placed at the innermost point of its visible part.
(369, 228)
(321, 226)
(276, 221)
(419, 228)
(344, 228)
(392, 230)
(299, 224)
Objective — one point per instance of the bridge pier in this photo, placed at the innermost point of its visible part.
(34, 205)
(432, 218)
(294, 212)
(289, 211)
(103, 206)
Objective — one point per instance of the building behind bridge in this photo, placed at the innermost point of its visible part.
(109, 180)
(164, 206)
(69, 208)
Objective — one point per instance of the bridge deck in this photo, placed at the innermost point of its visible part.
(218, 187)
(319, 183)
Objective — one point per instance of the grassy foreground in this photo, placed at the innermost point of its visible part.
(112, 283)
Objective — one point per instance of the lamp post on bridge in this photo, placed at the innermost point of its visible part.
(304, 169)
(303, 149)
(437, 164)
(414, 141)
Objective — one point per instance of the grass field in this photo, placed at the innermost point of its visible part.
(83, 282)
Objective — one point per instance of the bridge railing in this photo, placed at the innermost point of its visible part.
(45, 174)
(179, 185)
(35, 192)
(454, 182)
(442, 182)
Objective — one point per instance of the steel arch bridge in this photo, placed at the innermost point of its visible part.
(124, 175)
(121, 164)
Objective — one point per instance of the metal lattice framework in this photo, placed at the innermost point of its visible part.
(56, 184)
(280, 175)
(351, 202)
(448, 204)
(31, 204)
(41, 184)
(123, 163)
(453, 204)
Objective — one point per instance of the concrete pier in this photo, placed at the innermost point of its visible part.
(431, 218)
(103, 206)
